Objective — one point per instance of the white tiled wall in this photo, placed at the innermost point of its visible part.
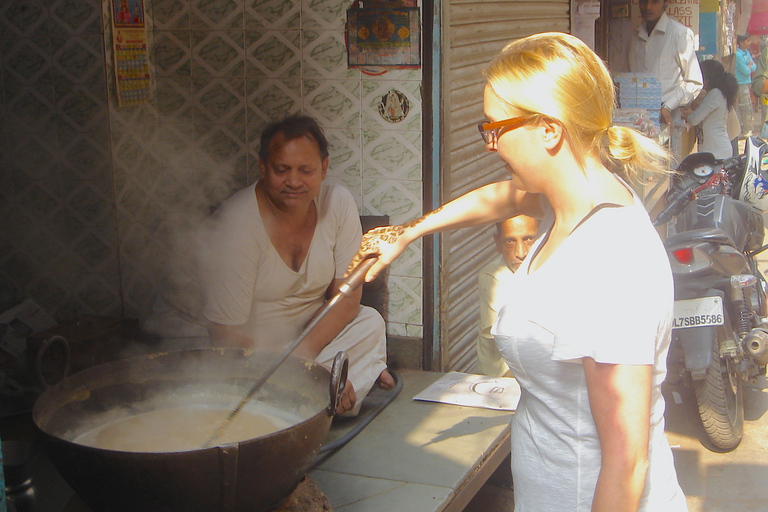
(93, 197)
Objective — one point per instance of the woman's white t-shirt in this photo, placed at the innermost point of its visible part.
(606, 293)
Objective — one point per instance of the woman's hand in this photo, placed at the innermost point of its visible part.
(387, 242)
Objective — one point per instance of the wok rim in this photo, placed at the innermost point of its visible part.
(96, 370)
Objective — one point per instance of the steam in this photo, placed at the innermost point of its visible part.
(192, 184)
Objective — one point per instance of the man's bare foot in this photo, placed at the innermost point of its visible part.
(347, 400)
(385, 380)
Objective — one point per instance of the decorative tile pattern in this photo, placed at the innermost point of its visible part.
(274, 53)
(219, 101)
(29, 109)
(78, 59)
(74, 17)
(325, 56)
(78, 172)
(217, 53)
(392, 154)
(405, 300)
(26, 61)
(415, 331)
(401, 200)
(395, 328)
(344, 149)
(175, 103)
(273, 14)
(81, 108)
(89, 207)
(171, 14)
(216, 14)
(271, 99)
(99, 294)
(172, 53)
(23, 18)
(324, 14)
(334, 103)
(409, 263)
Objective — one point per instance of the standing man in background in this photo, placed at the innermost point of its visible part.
(513, 239)
(666, 49)
(744, 67)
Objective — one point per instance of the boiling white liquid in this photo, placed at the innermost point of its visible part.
(179, 429)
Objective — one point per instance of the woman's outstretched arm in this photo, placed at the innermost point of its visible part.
(490, 203)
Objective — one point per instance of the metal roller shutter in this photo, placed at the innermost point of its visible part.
(474, 32)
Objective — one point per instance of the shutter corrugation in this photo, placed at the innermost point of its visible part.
(476, 31)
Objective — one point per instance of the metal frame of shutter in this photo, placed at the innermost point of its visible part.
(473, 31)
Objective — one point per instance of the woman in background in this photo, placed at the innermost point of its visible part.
(711, 114)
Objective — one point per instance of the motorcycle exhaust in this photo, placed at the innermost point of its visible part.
(755, 344)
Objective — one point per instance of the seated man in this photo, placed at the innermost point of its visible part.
(513, 238)
(276, 251)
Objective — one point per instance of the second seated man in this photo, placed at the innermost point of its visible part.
(513, 238)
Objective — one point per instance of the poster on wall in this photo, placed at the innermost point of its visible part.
(384, 37)
(686, 12)
(129, 45)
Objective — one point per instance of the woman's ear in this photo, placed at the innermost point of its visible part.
(552, 132)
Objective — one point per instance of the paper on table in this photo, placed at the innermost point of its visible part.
(457, 388)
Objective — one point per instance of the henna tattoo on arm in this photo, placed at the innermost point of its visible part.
(419, 220)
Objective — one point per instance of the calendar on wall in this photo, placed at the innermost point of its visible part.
(129, 45)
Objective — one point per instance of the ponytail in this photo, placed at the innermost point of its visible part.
(633, 156)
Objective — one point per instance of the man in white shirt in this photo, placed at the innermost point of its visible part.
(513, 238)
(666, 48)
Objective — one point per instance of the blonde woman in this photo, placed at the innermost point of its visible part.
(587, 328)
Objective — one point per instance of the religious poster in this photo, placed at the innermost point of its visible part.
(129, 44)
(384, 37)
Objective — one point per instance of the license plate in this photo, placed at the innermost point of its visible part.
(698, 312)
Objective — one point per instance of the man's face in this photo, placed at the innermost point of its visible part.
(651, 10)
(293, 172)
(515, 238)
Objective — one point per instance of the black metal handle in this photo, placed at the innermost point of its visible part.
(339, 372)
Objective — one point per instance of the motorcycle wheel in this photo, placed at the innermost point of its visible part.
(721, 401)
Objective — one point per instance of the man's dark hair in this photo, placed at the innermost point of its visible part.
(740, 39)
(293, 127)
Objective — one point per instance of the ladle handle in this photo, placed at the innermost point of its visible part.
(339, 372)
(357, 276)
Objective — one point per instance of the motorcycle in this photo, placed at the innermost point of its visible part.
(720, 330)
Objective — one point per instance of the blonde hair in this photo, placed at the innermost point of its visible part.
(556, 75)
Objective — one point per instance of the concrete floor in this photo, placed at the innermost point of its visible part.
(712, 482)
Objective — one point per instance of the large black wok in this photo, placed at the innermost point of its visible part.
(248, 476)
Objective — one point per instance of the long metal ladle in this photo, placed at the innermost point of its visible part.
(351, 283)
